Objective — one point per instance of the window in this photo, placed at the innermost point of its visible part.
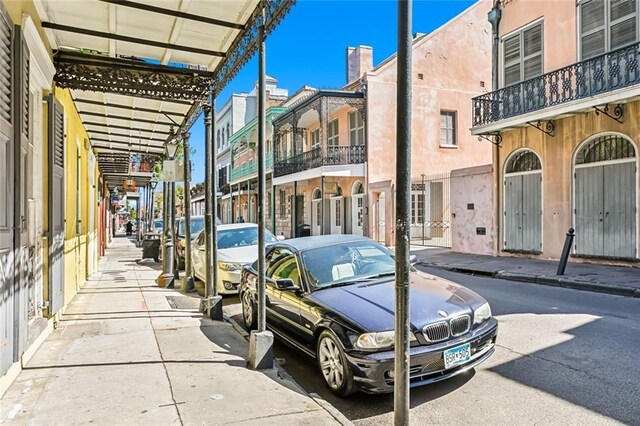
(448, 128)
(338, 204)
(218, 139)
(356, 129)
(228, 132)
(315, 138)
(281, 264)
(522, 55)
(607, 25)
(417, 208)
(332, 138)
(283, 203)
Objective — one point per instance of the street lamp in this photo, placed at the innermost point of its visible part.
(153, 183)
(166, 279)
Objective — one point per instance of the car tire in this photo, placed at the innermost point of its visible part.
(249, 311)
(333, 365)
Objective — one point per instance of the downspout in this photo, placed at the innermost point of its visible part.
(494, 18)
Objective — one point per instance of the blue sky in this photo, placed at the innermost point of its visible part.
(309, 46)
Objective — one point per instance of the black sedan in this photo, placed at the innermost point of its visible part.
(332, 297)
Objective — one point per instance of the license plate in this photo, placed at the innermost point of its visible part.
(456, 356)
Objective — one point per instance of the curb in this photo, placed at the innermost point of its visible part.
(554, 281)
(281, 372)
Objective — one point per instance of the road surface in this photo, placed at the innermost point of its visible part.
(563, 357)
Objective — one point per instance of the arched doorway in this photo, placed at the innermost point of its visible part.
(357, 207)
(523, 202)
(605, 197)
(316, 212)
(337, 212)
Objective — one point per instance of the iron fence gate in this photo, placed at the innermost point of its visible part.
(431, 210)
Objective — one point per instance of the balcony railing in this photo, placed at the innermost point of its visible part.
(613, 70)
(317, 157)
(249, 168)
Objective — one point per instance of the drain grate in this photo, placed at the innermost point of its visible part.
(183, 302)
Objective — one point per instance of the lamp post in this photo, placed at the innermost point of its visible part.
(153, 183)
(167, 277)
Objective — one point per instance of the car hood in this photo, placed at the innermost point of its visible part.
(242, 255)
(372, 305)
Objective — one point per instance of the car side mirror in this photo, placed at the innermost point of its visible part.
(413, 259)
(280, 238)
(286, 284)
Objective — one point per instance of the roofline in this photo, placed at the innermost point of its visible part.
(423, 37)
(313, 97)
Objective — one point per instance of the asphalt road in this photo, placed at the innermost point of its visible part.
(563, 357)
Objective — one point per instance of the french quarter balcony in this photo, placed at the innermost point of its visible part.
(318, 157)
(578, 85)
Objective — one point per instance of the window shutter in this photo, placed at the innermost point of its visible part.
(24, 102)
(622, 15)
(5, 69)
(532, 40)
(592, 28)
(512, 60)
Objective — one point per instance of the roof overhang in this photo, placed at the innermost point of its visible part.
(138, 68)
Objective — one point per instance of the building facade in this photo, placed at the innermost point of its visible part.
(240, 109)
(52, 195)
(566, 118)
(335, 155)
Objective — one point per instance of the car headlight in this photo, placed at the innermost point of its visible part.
(383, 339)
(482, 314)
(227, 266)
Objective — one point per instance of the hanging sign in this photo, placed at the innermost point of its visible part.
(173, 170)
(129, 184)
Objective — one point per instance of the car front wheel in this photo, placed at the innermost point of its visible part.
(249, 314)
(333, 365)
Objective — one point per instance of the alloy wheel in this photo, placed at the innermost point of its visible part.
(331, 363)
(247, 309)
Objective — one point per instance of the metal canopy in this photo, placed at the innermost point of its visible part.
(135, 68)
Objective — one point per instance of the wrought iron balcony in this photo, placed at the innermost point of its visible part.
(317, 157)
(249, 168)
(598, 75)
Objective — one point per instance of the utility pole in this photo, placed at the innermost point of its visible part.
(261, 341)
(403, 211)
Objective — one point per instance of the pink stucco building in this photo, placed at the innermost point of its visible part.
(565, 112)
(335, 150)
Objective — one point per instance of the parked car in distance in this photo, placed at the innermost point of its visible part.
(158, 226)
(197, 225)
(332, 297)
(237, 246)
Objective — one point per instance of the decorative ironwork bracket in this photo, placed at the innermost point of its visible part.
(618, 112)
(548, 128)
(494, 138)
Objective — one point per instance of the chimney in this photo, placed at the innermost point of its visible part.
(359, 61)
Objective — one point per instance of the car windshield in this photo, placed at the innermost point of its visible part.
(346, 263)
(197, 225)
(242, 237)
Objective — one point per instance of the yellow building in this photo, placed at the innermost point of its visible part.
(49, 181)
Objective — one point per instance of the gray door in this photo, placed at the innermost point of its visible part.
(56, 205)
(523, 212)
(605, 210)
(6, 195)
(21, 194)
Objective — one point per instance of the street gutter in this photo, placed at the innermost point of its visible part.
(548, 280)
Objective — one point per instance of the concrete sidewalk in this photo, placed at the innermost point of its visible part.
(620, 280)
(128, 352)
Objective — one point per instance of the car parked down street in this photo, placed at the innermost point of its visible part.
(332, 298)
(237, 246)
(196, 225)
